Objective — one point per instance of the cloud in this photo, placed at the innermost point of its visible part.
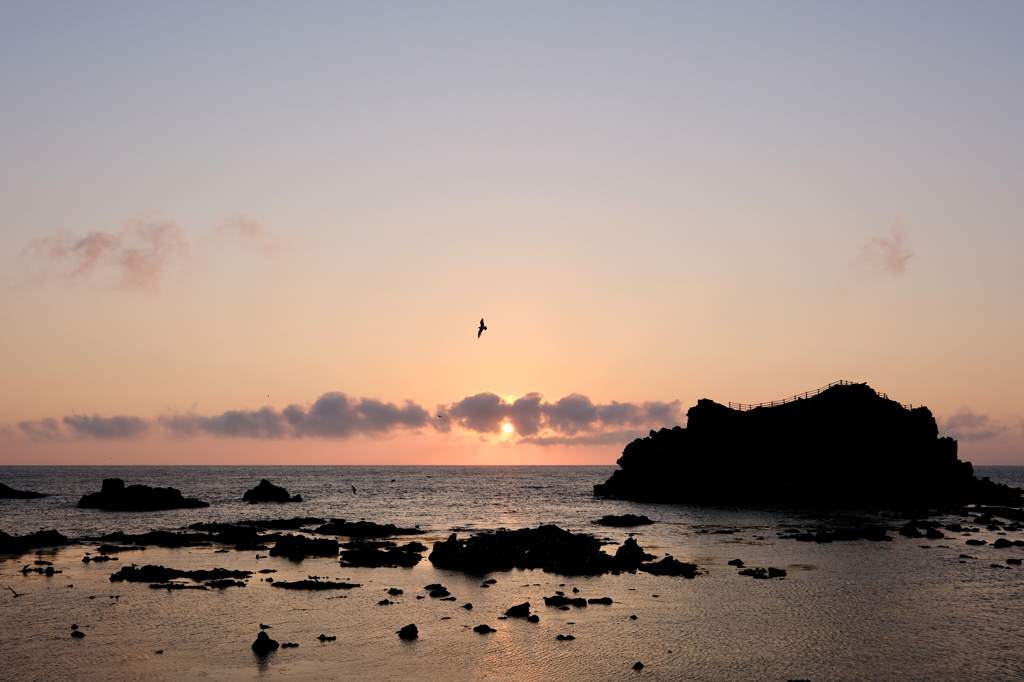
(107, 427)
(888, 254)
(250, 235)
(42, 429)
(332, 415)
(572, 420)
(138, 257)
(965, 424)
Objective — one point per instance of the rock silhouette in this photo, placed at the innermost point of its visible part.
(268, 492)
(263, 644)
(159, 574)
(548, 547)
(623, 521)
(364, 529)
(409, 632)
(845, 446)
(298, 547)
(17, 544)
(115, 496)
(8, 493)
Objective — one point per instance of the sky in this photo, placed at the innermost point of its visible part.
(265, 233)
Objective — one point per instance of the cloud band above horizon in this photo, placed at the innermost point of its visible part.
(572, 420)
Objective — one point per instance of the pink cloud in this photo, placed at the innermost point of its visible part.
(888, 254)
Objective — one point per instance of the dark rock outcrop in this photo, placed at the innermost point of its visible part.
(315, 585)
(298, 547)
(160, 574)
(409, 632)
(263, 644)
(845, 446)
(381, 554)
(484, 629)
(17, 544)
(9, 493)
(519, 610)
(364, 529)
(548, 547)
(268, 492)
(624, 520)
(115, 496)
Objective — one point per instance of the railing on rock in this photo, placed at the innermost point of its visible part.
(801, 396)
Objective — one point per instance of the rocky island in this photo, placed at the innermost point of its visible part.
(114, 495)
(844, 445)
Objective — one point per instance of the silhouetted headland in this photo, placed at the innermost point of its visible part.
(114, 495)
(846, 445)
(9, 493)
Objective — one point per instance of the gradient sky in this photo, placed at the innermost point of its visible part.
(265, 232)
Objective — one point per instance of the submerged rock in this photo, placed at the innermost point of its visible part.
(880, 453)
(268, 492)
(9, 493)
(624, 520)
(115, 496)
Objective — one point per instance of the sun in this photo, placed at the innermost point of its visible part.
(508, 428)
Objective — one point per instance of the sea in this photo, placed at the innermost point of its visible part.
(905, 609)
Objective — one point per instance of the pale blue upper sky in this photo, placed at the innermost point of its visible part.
(674, 199)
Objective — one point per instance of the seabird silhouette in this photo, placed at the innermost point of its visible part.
(482, 328)
(353, 488)
(264, 627)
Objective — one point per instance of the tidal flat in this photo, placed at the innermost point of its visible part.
(907, 608)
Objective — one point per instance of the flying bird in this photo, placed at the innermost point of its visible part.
(481, 329)
(353, 488)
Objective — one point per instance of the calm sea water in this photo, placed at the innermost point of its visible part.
(846, 611)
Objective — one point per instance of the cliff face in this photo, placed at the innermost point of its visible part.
(844, 446)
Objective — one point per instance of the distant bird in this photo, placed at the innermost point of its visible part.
(264, 627)
(482, 328)
(353, 488)
(12, 590)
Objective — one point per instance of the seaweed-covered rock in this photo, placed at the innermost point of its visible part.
(268, 492)
(9, 493)
(115, 496)
(880, 453)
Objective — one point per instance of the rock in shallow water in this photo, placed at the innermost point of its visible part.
(409, 632)
(263, 644)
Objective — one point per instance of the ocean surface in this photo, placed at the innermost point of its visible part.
(907, 609)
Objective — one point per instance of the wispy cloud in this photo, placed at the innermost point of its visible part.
(572, 420)
(888, 254)
(107, 427)
(332, 415)
(138, 257)
(966, 424)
